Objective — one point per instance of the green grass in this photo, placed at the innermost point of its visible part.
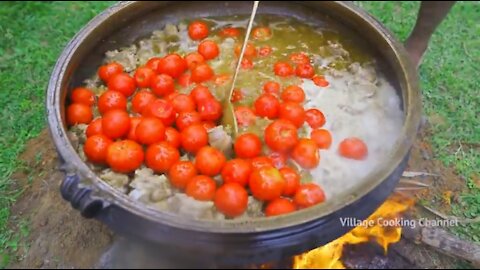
(33, 34)
(451, 92)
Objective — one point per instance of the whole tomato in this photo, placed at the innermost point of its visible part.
(237, 171)
(201, 188)
(125, 156)
(122, 83)
(150, 130)
(281, 136)
(82, 95)
(79, 113)
(161, 156)
(231, 199)
(309, 195)
(267, 105)
(181, 173)
(266, 184)
(209, 161)
(111, 100)
(95, 148)
(248, 145)
(173, 65)
(105, 72)
(193, 138)
(116, 124)
(306, 154)
(280, 206)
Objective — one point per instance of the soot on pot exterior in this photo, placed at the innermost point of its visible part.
(229, 243)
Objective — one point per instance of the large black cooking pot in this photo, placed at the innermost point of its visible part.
(229, 242)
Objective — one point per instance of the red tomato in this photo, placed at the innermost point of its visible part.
(83, 95)
(183, 103)
(163, 85)
(322, 137)
(202, 73)
(161, 156)
(143, 76)
(305, 71)
(292, 179)
(150, 130)
(96, 147)
(187, 119)
(281, 136)
(309, 195)
(193, 59)
(267, 105)
(105, 72)
(250, 50)
(293, 93)
(125, 156)
(153, 63)
(265, 51)
(306, 154)
(181, 173)
(247, 64)
(116, 124)
(293, 112)
(134, 121)
(237, 171)
(283, 69)
(237, 95)
(200, 93)
(315, 118)
(266, 184)
(210, 110)
(261, 33)
(353, 148)
(248, 145)
(272, 88)
(280, 206)
(201, 188)
(320, 80)
(79, 113)
(245, 116)
(299, 58)
(185, 79)
(261, 162)
(111, 100)
(230, 32)
(141, 100)
(193, 138)
(172, 136)
(94, 128)
(209, 161)
(208, 49)
(278, 159)
(162, 110)
(198, 30)
(122, 83)
(231, 199)
(171, 96)
(173, 65)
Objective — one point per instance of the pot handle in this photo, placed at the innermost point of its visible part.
(80, 198)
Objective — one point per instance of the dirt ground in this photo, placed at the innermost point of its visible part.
(60, 238)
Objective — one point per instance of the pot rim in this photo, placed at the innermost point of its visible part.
(408, 134)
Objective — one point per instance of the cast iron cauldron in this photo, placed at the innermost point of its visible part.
(229, 242)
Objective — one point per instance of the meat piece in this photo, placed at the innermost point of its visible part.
(149, 187)
(116, 180)
(184, 205)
